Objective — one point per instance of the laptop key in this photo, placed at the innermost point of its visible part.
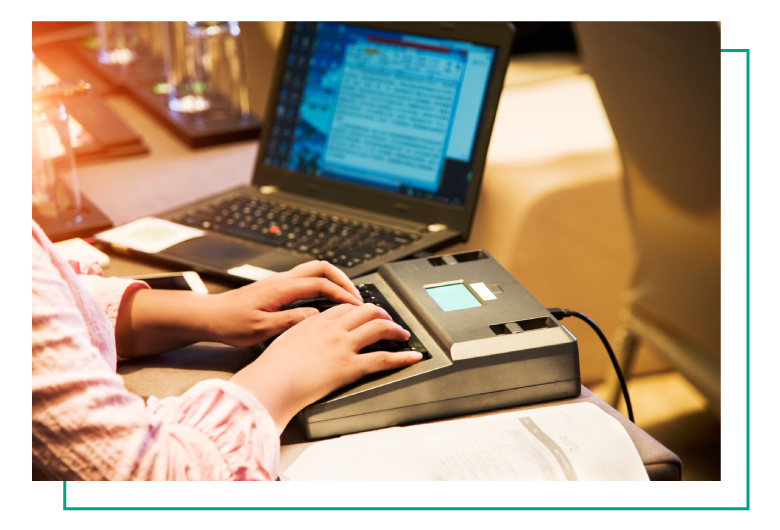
(349, 253)
(384, 244)
(345, 261)
(365, 252)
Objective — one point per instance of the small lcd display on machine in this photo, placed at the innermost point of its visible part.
(452, 297)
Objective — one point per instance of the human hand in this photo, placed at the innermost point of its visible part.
(252, 314)
(319, 355)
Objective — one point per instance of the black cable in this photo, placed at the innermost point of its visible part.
(563, 313)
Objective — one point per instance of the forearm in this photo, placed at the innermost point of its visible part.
(155, 321)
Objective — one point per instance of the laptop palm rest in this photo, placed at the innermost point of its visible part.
(221, 253)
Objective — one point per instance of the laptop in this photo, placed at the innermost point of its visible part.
(373, 150)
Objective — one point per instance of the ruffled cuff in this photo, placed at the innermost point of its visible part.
(235, 420)
(86, 265)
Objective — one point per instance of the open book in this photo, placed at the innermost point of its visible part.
(567, 442)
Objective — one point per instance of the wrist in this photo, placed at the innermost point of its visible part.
(208, 312)
(273, 392)
(154, 321)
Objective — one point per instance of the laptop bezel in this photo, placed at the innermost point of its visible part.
(498, 35)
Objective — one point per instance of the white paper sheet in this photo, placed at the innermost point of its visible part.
(149, 234)
(568, 442)
(251, 272)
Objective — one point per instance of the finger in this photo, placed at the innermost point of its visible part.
(337, 311)
(280, 321)
(385, 360)
(324, 269)
(301, 288)
(360, 315)
(376, 330)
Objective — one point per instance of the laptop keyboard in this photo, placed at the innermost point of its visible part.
(339, 240)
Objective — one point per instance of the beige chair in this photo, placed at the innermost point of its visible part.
(551, 207)
(660, 86)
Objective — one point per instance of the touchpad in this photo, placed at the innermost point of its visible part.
(215, 251)
(279, 260)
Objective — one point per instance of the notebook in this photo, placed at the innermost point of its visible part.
(373, 151)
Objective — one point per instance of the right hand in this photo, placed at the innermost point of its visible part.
(320, 355)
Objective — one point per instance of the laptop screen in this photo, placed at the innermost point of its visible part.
(386, 110)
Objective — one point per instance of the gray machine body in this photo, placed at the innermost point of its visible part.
(508, 351)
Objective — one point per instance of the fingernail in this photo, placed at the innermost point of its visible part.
(415, 356)
(408, 334)
(310, 312)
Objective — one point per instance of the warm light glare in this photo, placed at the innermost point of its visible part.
(189, 104)
(78, 135)
(117, 56)
(161, 88)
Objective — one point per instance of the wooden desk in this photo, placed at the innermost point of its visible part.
(170, 175)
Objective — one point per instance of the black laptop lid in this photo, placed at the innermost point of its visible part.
(394, 118)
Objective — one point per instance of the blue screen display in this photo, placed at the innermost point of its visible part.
(381, 109)
(452, 297)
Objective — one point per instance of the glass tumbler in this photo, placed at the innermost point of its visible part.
(131, 48)
(205, 65)
(118, 42)
(55, 189)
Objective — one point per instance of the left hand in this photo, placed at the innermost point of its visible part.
(251, 314)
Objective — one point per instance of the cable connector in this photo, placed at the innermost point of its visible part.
(559, 313)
